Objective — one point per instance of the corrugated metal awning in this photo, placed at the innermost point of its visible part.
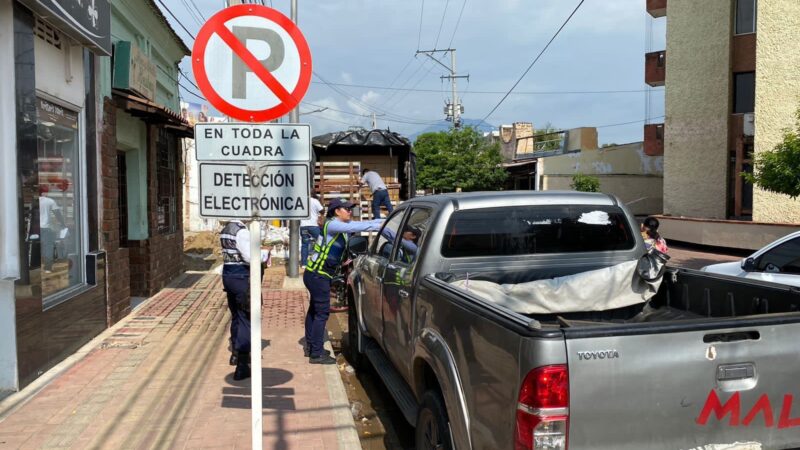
(152, 112)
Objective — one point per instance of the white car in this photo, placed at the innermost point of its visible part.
(778, 262)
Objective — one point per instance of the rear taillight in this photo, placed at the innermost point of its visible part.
(543, 409)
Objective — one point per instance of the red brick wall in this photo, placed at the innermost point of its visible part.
(118, 285)
(159, 259)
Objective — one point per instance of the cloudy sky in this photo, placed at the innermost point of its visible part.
(367, 49)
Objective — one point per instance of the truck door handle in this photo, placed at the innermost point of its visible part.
(732, 337)
(736, 371)
(737, 377)
(403, 293)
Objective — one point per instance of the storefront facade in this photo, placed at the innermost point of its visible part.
(67, 267)
(142, 155)
(53, 295)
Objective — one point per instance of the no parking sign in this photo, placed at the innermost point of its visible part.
(252, 63)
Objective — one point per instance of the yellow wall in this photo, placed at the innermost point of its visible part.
(777, 95)
(697, 107)
(624, 171)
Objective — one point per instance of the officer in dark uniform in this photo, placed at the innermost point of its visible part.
(235, 240)
(327, 255)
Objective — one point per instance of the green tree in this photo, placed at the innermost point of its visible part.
(548, 138)
(458, 158)
(778, 170)
(585, 183)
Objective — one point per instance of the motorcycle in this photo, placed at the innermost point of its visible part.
(339, 300)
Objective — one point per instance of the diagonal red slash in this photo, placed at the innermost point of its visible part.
(261, 72)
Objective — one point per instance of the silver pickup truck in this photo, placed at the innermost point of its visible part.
(524, 320)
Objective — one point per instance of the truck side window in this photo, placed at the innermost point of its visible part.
(387, 235)
(411, 238)
(784, 258)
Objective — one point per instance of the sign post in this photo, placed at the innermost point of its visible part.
(253, 170)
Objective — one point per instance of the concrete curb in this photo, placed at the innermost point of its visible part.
(346, 433)
(17, 400)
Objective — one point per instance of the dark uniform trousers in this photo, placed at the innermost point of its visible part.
(236, 282)
(319, 286)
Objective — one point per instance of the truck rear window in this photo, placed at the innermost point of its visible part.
(530, 230)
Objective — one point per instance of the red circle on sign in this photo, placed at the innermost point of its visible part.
(215, 25)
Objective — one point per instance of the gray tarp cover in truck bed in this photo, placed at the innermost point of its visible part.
(595, 290)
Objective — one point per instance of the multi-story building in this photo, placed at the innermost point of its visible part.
(731, 86)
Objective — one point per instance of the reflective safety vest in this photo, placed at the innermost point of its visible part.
(227, 238)
(327, 256)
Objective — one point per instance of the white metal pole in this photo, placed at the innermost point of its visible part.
(255, 333)
(456, 104)
(294, 225)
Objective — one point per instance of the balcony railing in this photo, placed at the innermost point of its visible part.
(655, 68)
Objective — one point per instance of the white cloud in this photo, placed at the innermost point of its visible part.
(347, 78)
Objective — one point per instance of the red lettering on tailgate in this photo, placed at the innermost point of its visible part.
(732, 406)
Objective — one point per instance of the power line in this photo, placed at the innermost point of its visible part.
(535, 60)
(554, 92)
(176, 19)
(458, 22)
(421, 12)
(393, 94)
(441, 25)
(410, 122)
(198, 10)
(192, 14)
(361, 103)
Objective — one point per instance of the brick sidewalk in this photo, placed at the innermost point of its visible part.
(163, 381)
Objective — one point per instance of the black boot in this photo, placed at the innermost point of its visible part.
(307, 352)
(234, 359)
(242, 371)
(322, 359)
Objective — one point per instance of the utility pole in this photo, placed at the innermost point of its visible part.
(375, 120)
(454, 108)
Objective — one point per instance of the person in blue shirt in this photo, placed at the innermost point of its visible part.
(328, 254)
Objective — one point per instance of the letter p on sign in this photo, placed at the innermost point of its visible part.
(252, 63)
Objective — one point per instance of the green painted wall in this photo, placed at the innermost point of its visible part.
(136, 22)
(132, 139)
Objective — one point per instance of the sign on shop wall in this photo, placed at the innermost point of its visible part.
(86, 21)
(133, 70)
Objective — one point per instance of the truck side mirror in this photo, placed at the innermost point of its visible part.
(749, 264)
(358, 244)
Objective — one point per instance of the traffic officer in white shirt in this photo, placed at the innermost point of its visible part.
(309, 228)
(380, 195)
(235, 240)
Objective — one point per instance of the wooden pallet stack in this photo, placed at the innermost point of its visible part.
(339, 179)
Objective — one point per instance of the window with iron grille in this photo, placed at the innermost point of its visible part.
(167, 182)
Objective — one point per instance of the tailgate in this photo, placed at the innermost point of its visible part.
(672, 389)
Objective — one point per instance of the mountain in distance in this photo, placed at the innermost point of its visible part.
(443, 125)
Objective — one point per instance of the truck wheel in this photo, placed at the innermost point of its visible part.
(433, 427)
(355, 358)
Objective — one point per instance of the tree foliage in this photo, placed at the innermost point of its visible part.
(585, 183)
(548, 138)
(778, 170)
(458, 158)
